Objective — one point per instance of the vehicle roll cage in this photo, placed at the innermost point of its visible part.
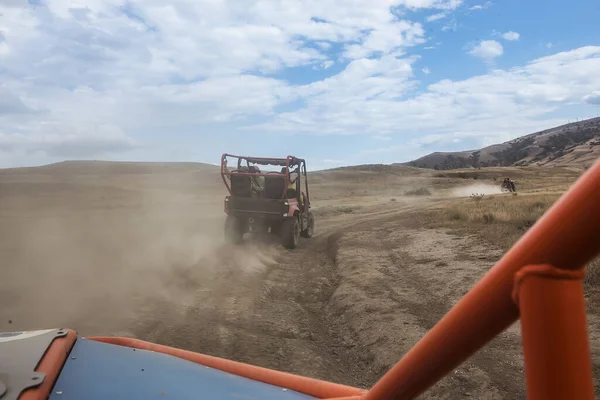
(289, 161)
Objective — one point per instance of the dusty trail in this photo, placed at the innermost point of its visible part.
(344, 306)
(116, 255)
(272, 317)
(415, 277)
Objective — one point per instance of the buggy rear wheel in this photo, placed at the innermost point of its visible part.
(290, 233)
(234, 229)
(308, 232)
(276, 228)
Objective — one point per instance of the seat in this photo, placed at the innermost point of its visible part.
(241, 185)
(274, 187)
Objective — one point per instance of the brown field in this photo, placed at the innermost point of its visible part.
(137, 250)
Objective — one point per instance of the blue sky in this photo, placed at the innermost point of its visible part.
(336, 82)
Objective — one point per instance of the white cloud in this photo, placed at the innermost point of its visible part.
(387, 39)
(426, 71)
(144, 66)
(592, 98)
(101, 77)
(383, 138)
(54, 142)
(185, 62)
(481, 6)
(436, 17)
(487, 50)
(511, 35)
(326, 64)
(472, 111)
(11, 104)
(4, 49)
(451, 26)
(439, 4)
(323, 45)
(549, 45)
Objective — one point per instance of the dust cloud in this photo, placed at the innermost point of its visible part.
(480, 188)
(106, 268)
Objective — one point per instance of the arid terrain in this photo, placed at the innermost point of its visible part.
(576, 143)
(137, 250)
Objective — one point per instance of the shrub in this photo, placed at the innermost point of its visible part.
(455, 215)
(489, 218)
(477, 197)
(418, 192)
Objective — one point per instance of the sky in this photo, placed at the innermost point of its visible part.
(336, 82)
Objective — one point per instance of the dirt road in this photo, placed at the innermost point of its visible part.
(413, 278)
(113, 256)
(344, 307)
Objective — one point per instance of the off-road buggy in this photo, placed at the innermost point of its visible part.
(273, 201)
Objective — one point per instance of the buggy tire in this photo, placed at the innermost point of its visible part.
(275, 229)
(308, 232)
(234, 230)
(290, 233)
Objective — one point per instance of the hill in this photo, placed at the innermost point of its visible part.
(577, 143)
(86, 185)
(111, 167)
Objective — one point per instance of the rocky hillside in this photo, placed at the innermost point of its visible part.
(577, 143)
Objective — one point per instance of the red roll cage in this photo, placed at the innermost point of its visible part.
(282, 162)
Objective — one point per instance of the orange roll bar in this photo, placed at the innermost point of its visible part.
(309, 386)
(554, 329)
(567, 236)
(50, 365)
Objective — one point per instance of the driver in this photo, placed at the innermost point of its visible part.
(292, 183)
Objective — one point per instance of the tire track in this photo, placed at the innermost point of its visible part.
(391, 299)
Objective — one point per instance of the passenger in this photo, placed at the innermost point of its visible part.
(258, 182)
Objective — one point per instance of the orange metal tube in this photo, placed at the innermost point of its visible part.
(309, 386)
(554, 333)
(567, 236)
(51, 365)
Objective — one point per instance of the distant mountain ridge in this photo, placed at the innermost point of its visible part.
(577, 143)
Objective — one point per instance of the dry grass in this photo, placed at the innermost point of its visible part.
(500, 220)
(519, 211)
(530, 179)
